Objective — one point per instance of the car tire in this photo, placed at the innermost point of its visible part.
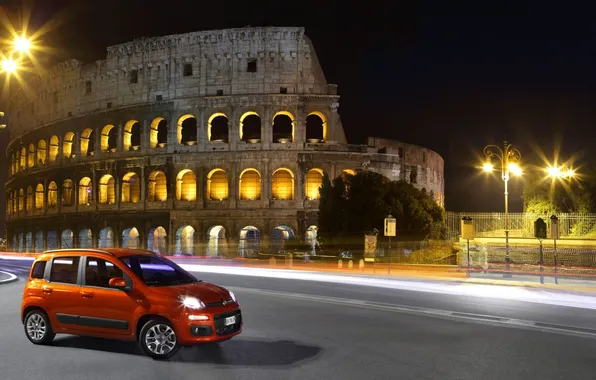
(158, 339)
(38, 328)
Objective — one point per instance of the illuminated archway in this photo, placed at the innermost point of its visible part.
(157, 240)
(348, 172)
(130, 238)
(109, 138)
(282, 184)
(158, 187)
(21, 199)
(42, 152)
(250, 242)
(30, 199)
(31, 156)
(217, 185)
(23, 160)
(314, 181)
(250, 185)
(158, 133)
(186, 185)
(87, 142)
(67, 192)
(85, 238)
(52, 195)
(131, 188)
(39, 195)
(250, 127)
(85, 191)
(217, 241)
(29, 242)
(132, 135)
(187, 130)
(106, 238)
(280, 235)
(217, 128)
(67, 239)
(39, 241)
(185, 241)
(107, 190)
(316, 127)
(54, 148)
(283, 127)
(67, 144)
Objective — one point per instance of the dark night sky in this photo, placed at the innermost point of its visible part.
(450, 77)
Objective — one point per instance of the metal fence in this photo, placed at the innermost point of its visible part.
(571, 225)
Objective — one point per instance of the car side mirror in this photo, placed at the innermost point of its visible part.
(118, 283)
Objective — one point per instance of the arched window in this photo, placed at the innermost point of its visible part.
(186, 185)
(67, 192)
(250, 185)
(54, 148)
(131, 188)
(67, 145)
(41, 152)
(52, 195)
(217, 185)
(85, 191)
(39, 193)
(107, 190)
(31, 156)
(282, 184)
(158, 187)
(314, 181)
(30, 199)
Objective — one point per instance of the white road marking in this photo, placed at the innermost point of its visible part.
(11, 277)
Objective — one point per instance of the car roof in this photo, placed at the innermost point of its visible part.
(117, 252)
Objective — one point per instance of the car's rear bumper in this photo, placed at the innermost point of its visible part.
(197, 328)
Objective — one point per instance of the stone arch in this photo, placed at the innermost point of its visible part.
(158, 133)
(282, 184)
(52, 240)
(54, 148)
(217, 185)
(31, 156)
(39, 241)
(130, 238)
(107, 189)
(52, 195)
(250, 127)
(218, 128)
(39, 195)
(249, 244)
(283, 127)
(85, 191)
(131, 188)
(30, 199)
(316, 127)
(109, 138)
(23, 158)
(85, 238)
(314, 181)
(29, 241)
(187, 130)
(216, 241)
(67, 239)
(132, 135)
(67, 192)
(42, 152)
(186, 185)
(279, 235)
(21, 199)
(158, 187)
(87, 142)
(250, 184)
(67, 144)
(185, 241)
(106, 238)
(157, 240)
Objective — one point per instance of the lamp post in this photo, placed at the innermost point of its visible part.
(11, 61)
(509, 157)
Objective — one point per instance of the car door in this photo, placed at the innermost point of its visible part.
(104, 310)
(61, 291)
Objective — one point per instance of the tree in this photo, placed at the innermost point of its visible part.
(547, 197)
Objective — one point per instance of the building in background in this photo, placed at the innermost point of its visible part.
(209, 143)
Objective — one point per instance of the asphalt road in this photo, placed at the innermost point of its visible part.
(307, 330)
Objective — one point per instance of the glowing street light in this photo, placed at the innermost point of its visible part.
(560, 172)
(22, 44)
(9, 66)
(508, 157)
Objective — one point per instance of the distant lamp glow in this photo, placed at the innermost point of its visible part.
(558, 172)
(487, 167)
(553, 171)
(569, 173)
(514, 169)
(22, 44)
(9, 66)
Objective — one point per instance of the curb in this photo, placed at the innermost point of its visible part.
(11, 278)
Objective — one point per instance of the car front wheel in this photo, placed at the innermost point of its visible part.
(158, 339)
(38, 328)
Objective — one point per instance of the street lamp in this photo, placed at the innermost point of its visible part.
(22, 44)
(560, 172)
(509, 158)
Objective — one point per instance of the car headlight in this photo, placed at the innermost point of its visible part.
(192, 302)
(232, 295)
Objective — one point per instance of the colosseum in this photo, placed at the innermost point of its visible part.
(210, 143)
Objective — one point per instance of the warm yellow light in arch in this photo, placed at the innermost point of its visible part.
(314, 181)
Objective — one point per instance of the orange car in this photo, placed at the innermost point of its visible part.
(125, 294)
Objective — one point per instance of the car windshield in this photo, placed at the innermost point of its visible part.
(158, 271)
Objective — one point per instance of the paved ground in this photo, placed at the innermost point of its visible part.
(292, 332)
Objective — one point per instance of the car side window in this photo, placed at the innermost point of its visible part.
(98, 272)
(38, 269)
(65, 270)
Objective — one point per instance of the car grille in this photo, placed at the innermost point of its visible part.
(219, 320)
(219, 303)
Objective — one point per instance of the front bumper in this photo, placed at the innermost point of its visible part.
(212, 328)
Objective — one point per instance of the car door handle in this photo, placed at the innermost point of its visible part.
(86, 294)
(46, 290)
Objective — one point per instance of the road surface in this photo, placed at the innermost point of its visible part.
(313, 330)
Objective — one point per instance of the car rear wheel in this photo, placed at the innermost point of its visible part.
(38, 328)
(158, 339)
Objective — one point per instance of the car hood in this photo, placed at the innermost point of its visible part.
(204, 291)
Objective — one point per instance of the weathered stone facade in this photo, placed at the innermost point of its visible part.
(202, 143)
